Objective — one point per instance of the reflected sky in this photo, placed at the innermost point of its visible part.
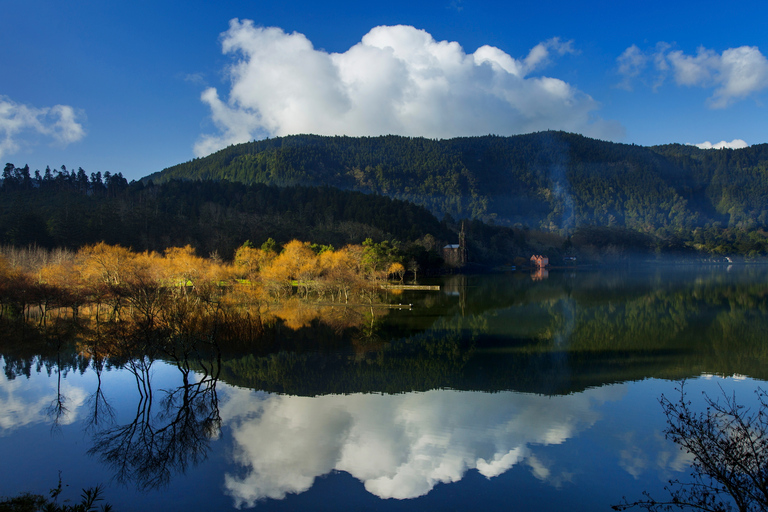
(399, 446)
(324, 438)
(25, 402)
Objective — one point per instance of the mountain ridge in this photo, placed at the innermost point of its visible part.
(545, 180)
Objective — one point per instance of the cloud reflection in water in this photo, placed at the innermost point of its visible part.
(399, 446)
(26, 402)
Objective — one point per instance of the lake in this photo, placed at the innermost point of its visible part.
(498, 392)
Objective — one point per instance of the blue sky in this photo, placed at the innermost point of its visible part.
(134, 87)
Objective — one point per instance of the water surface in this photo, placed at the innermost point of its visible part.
(496, 393)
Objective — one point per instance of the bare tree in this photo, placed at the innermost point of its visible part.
(729, 445)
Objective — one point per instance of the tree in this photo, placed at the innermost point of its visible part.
(729, 445)
(378, 256)
(397, 270)
(297, 262)
(342, 270)
(184, 267)
(249, 260)
(105, 263)
(413, 266)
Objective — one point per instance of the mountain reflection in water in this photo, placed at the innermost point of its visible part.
(505, 378)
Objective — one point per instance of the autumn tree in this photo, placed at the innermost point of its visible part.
(396, 269)
(250, 260)
(104, 270)
(9, 289)
(103, 263)
(184, 268)
(342, 270)
(144, 289)
(297, 262)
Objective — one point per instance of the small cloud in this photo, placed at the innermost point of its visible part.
(396, 80)
(456, 5)
(195, 78)
(733, 75)
(631, 63)
(539, 55)
(734, 144)
(22, 124)
(65, 129)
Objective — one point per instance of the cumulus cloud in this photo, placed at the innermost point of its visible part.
(396, 80)
(733, 75)
(734, 144)
(399, 446)
(21, 124)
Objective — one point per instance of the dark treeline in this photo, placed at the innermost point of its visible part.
(20, 178)
(554, 181)
(71, 210)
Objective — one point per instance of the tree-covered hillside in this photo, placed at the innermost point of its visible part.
(550, 180)
(548, 193)
(70, 210)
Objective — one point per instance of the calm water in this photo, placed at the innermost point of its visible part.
(496, 393)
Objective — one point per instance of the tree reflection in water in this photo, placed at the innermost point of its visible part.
(101, 412)
(172, 428)
(167, 435)
(560, 336)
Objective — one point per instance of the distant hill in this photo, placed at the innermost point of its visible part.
(549, 180)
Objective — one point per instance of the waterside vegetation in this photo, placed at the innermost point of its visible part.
(110, 280)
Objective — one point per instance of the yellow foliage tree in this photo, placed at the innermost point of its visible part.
(183, 267)
(397, 270)
(343, 270)
(296, 262)
(103, 263)
(250, 260)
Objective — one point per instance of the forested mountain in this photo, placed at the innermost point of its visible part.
(551, 192)
(549, 180)
(72, 209)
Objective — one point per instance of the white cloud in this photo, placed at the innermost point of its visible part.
(399, 446)
(540, 54)
(396, 80)
(631, 63)
(26, 402)
(733, 75)
(734, 144)
(22, 124)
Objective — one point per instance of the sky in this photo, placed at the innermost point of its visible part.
(135, 87)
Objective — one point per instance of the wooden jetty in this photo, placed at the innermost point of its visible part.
(435, 288)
